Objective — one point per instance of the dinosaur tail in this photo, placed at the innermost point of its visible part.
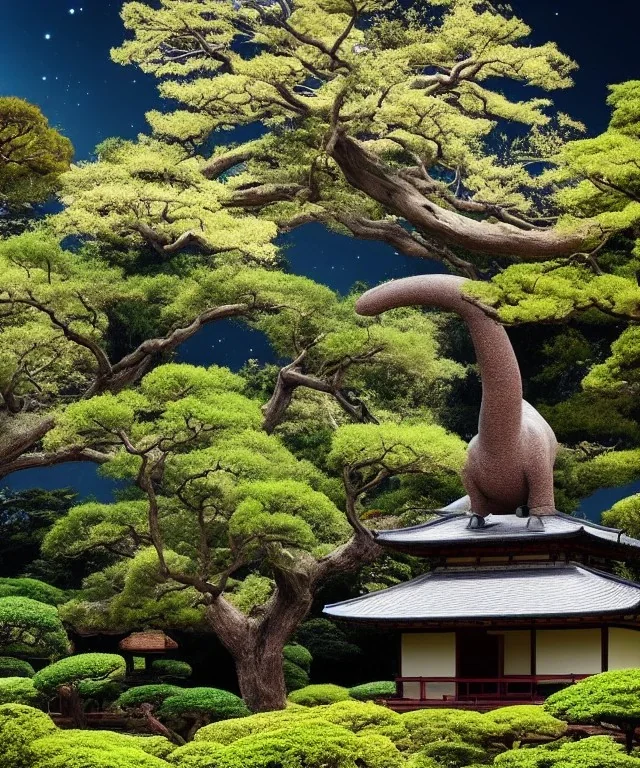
(501, 411)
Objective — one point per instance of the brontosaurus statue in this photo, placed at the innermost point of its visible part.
(510, 461)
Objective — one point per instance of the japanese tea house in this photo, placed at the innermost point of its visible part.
(509, 613)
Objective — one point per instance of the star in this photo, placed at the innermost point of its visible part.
(72, 11)
(47, 36)
(44, 77)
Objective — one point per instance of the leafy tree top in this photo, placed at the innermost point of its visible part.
(79, 669)
(33, 153)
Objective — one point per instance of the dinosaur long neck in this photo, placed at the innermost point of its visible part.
(501, 411)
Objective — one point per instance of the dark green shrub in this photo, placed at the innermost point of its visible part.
(19, 690)
(526, 721)
(30, 628)
(20, 726)
(610, 697)
(146, 694)
(453, 754)
(594, 752)
(32, 588)
(171, 668)
(294, 676)
(315, 695)
(12, 667)
(379, 690)
(326, 642)
(299, 655)
(192, 708)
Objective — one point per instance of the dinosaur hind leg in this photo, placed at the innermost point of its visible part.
(541, 500)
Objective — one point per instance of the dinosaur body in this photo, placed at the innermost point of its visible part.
(510, 461)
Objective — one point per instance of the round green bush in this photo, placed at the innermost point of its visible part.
(32, 588)
(197, 754)
(378, 690)
(295, 677)
(20, 726)
(527, 721)
(228, 731)
(313, 745)
(210, 703)
(299, 655)
(79, 670)
(18, 690)
(146, 694)
(31, 628)
(92, 749)
(428, 725)
(171, 668)
(453, 754)
(12, 667)
(594, 752)
(315, 695)
(358, 715)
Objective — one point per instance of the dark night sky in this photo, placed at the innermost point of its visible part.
(55, 53)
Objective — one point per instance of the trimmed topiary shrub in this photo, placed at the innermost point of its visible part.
(452, 753)
(20, 726)
(428, 725)
(12, 667)
(526, 721)
(228, 731)
(294, 676)
(594, 752)
(19, 690)
(358, 715)
(315, 695)
(92, 749)
(313, 745)
(31, 628)
(82, 677)
(299, 655)
(610, 697)
(197, 754)
(76, 670)
(32, 588)
(146, 694)
(171, 668)
(191, 708)
(382, 689)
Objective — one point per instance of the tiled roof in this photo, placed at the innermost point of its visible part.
(506, 592)
(152, 641)
(452, 529)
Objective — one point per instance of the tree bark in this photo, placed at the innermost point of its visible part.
(398, 195)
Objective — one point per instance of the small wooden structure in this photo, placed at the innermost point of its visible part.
(146, 644)
(509, 613)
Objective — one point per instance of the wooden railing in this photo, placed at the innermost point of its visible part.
(511, 687)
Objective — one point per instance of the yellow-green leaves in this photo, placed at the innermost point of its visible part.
(33, 154)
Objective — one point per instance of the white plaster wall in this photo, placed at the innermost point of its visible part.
(624, 648)
(560, 651)
(429, 654)
(517, 652)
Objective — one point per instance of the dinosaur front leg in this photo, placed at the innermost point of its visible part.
(539, 474)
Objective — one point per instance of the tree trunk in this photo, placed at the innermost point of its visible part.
(261, 676)
(71, 705)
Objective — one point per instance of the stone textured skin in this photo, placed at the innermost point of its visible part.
(510, 461)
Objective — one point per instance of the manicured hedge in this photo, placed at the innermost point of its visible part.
(12, 667)
(146, 694)
(93, 670)
(18, 690)
(20, 726)
(378, 690)
(315, 695)
(171, 668)
(213, 703)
